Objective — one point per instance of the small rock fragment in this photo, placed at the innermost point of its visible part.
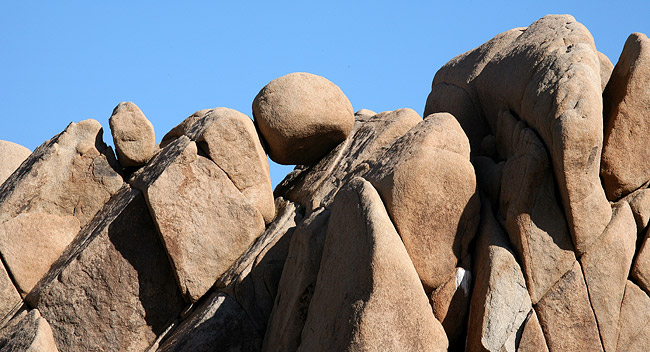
(133, 135)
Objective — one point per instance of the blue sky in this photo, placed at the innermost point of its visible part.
(76, 60)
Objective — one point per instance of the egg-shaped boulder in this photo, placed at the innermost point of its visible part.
(302, 117)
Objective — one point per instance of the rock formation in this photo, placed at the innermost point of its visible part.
(512, 216)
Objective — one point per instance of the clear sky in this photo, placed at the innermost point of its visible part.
(68, 61)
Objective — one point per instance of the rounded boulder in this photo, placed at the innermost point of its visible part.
(302, 117)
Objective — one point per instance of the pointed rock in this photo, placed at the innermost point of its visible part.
(204, 221)
(113, 287)
(640, 204)
(53, 194)
(606, 68)
(534, 221)
(31, 334)
(606, 268)
(532, 337)
(500, 300)
(429, 187)
(229, 138)
(626, 158)
(566, 316)
(356, 304)
(11, 156)
(641, 267)
(9, 296)
(297, 283)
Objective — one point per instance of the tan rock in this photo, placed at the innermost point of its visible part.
(31, 334)
(429, 188)
(606, 68)
(31, 236)
(639, 201)
(9, 296)
(229, 138)
(356, 304)
(53, 194)
(259, 269)
(640, 270)
(11, 156)
(219, 323)
(500, 302)
(297, 283)
(450, 303)
(364, 113)
(626, 110)
(634, 323)
(133, 135)
(532, 336)
(113, 287)
(317, 185)
(606, 268)
(302, 117)
(565, 113)
(533, 218)
(204, 221)
(566, 316)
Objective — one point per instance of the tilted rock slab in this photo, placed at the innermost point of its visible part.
(532, 336)
(356, 305)
(302, 117)
(606, 269)
(500, 302)
(640, 270)
(11, 156)
(534, 220)
(429, 187)
(203, 219)
(566, 315)
(9, 296)
(31, 333)
(296, 286)
(626, 158)
(634, 327)
(548, 75)
(218, 324)
(54, 193)
(450, 303)
(229, 138)
(315, 186)
(113, 288)
(133, 135)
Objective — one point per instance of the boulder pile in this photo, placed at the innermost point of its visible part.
(512, 217)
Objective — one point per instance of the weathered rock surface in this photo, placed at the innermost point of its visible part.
(302, 117)
(31, 334)
(626, 157)
(204, 242)
(113, 287)
(9, 296)
(533, 219)
(356, 305)
(500, 302)
(606, 268)
(229, 138)
(566, 315)
(218, 324)
(11, 156)
(429, 188)
(634, 327)
(450, 303)
(640, 204)
(316, 186)
(133, 135)
(532, 336)
(640, 270)
(54, 193)
(606, 68)
(296, 286)
(527, 71)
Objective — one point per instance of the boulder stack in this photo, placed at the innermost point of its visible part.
(483, 226)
